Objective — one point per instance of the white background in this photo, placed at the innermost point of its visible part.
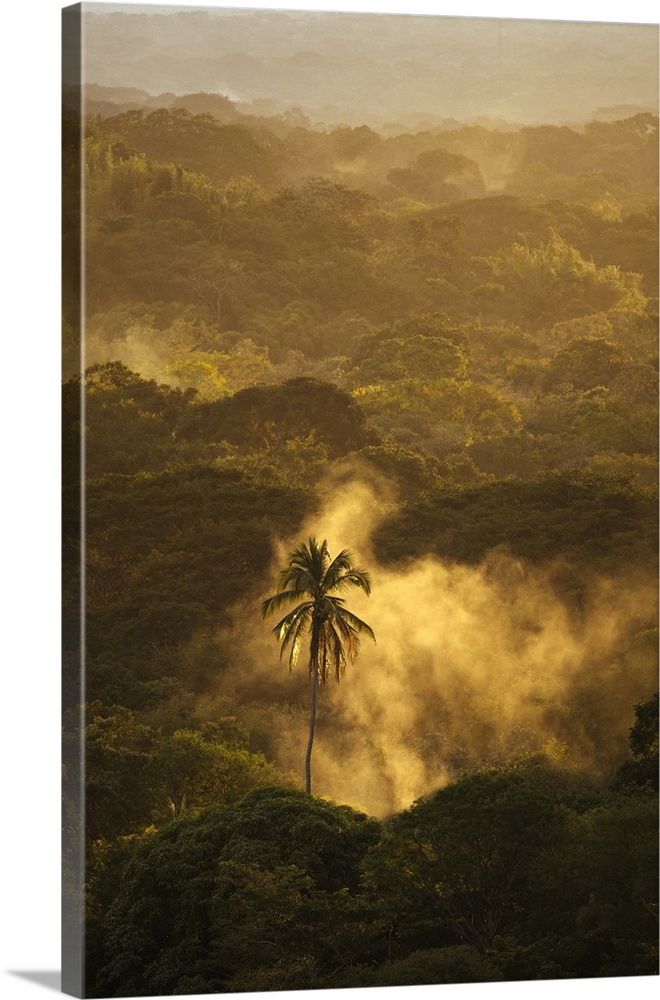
(29, 459)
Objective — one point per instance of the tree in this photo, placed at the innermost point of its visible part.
(269, 416)
(193, 770)
(541, 286)
(584, 363)
(423, 358)
(642, 769)
(334, 630)
(468, 864)
(241, 896)
(613, 860)
(438, 176)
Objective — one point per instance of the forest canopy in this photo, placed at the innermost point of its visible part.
(435, 345)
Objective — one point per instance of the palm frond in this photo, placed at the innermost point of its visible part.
(340, 564)
(311, 572)
(348, 636)
(295, 650)
(301, 613)
(319, 556)
(351, 621)
(333, 652)
(278, 601)
(352, 578)
(298, 579)
(358, 624)
(291, 629)
(311, 557)
(306, 568)
(338, 653)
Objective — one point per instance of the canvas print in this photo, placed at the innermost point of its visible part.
(360, 394)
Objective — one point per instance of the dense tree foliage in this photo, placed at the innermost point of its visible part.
(471, 884)
(464, 316)
(600, 521)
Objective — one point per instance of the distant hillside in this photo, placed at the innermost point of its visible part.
(375, 69)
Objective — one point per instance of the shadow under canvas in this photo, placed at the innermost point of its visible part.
(50, 980)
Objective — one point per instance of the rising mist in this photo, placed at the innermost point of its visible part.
(472, 667)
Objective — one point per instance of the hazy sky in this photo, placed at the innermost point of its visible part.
(375, 67)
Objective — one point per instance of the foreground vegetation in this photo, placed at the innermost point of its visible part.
(521, 873)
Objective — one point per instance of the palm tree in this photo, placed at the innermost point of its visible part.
(333, 630)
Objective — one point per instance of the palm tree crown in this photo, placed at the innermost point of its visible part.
(334, 631)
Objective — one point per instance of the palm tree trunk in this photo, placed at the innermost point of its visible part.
(314, 671)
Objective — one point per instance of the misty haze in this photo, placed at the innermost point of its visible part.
(379, 70)
(364, 346)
